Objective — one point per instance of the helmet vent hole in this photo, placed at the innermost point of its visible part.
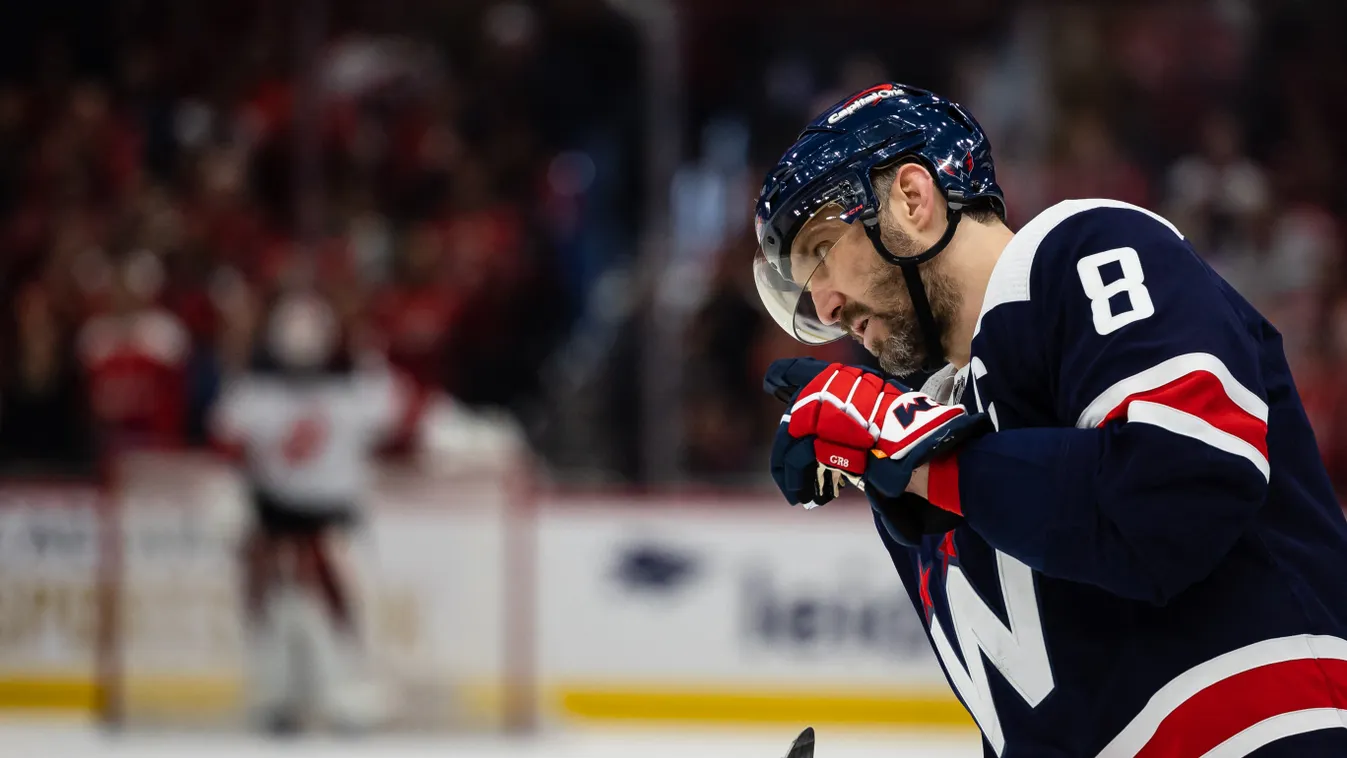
(956, 113)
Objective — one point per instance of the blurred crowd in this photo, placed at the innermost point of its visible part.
(166, 169)
(460, 177)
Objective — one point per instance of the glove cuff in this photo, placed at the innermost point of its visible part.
(942, 483)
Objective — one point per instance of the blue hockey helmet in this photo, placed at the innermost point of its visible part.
(828, 170)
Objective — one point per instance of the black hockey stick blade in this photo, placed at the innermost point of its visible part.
(803, 746)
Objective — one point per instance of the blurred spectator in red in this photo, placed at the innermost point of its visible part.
(44, 419)
(416, 314)
(135, 355)
(491, 278)
(219, 215)
(415, 317)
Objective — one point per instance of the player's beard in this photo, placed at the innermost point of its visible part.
(903, 352)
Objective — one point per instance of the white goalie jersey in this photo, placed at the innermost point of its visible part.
(309, 442)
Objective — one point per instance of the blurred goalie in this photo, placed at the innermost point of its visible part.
(305, 421)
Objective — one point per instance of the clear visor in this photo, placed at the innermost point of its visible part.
(784, 281)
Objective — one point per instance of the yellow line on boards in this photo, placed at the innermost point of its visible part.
(671, 704)
(579, 701)
(48, 693)
(80, 693)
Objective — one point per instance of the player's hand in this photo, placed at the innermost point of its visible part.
(921, 480)
(849, 419)
(864, 424)
(796, 467)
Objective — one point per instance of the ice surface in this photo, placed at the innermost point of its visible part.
(73, 740)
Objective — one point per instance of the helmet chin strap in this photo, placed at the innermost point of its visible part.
(935, 350)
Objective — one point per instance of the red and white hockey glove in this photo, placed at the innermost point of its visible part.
(851, 419)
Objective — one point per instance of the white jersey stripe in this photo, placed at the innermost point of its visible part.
(1009, 282)
(1278, 727)
(1183, 687)
(1165, 372)
(1188, 425)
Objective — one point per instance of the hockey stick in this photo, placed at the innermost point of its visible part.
(839, 479)
(803, 746)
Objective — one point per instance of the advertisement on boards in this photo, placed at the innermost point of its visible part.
(746, 612)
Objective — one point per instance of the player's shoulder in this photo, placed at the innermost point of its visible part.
(1051, 244)
(1073, 228)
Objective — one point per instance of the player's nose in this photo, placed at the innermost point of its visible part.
(828, 304)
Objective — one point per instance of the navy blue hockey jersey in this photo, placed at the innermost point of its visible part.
(1153, 563)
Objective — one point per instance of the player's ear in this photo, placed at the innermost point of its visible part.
(915, 199)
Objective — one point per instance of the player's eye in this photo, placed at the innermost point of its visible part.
(807, 259)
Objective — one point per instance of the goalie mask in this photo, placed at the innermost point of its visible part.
(824, 179)
(303, 333)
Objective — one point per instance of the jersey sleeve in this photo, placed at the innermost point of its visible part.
(384, 397)
(1161, 461)
(233, 419)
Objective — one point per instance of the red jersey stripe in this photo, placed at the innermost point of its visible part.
(1201, 394)
(1241, 700)
(1236, 703)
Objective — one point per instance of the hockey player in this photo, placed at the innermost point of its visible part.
(306, 421)
(1108, 507)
